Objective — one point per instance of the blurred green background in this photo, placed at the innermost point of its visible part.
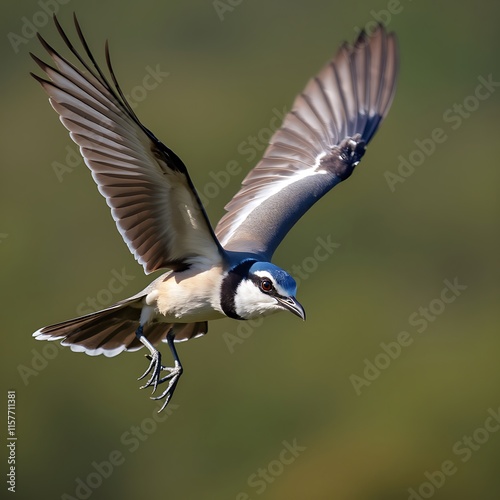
(248, 391)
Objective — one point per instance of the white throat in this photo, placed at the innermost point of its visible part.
(251, 303)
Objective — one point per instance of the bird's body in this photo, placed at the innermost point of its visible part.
(189, 296)
(224, 272)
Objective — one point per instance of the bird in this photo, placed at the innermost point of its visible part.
(208, 273)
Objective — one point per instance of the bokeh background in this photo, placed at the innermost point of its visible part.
(250, 391)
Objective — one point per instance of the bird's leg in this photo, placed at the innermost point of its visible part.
(174, 375)
(156, 367)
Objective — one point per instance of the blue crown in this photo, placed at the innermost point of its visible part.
(282, 278)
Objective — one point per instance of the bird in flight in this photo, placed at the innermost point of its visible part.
(209, 273)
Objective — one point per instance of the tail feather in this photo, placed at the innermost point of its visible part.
(109, 335)
(112, 330)
(156, 332)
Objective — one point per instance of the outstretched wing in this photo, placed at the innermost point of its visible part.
(151, 196)
(320, 142)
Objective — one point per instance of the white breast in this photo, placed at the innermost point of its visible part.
(189, 296)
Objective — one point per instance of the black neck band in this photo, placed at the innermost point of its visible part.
(229, 285)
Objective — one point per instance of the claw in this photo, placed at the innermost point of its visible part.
(149, 367)
(173, 377)
(156, 367)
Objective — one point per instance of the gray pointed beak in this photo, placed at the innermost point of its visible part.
(293, 305)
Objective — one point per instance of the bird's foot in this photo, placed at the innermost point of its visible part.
(172, 377)
(156, 367)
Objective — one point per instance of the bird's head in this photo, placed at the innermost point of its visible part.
(263, 288)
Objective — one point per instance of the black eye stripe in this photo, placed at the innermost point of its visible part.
(258, 280)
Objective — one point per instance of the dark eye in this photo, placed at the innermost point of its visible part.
(266, 286)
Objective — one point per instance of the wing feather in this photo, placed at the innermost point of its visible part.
(152, 198)
(320, 142)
